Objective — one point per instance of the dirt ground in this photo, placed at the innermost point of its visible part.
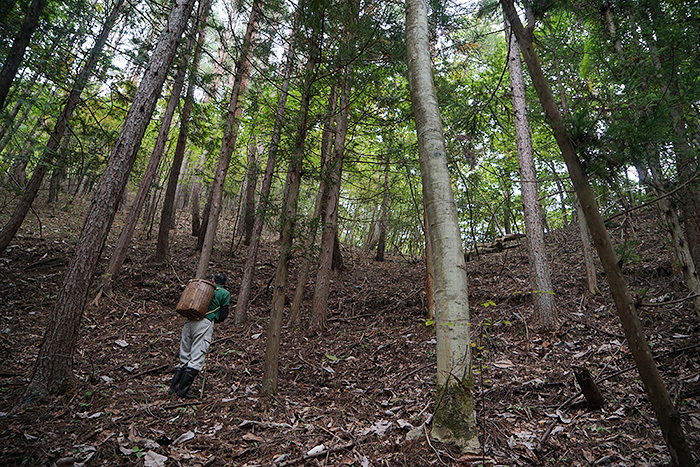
(362, 393)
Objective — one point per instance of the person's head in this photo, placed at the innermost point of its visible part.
(220, 278)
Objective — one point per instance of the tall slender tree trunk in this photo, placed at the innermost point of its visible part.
(454, 420)
(588, 261)
(383, 223)
(252, 253)
(19, 46)
(666, 412)
(230, 135)
(122, 247)
(248, 218)
(327, 138)
(168, 211)
(53, 372)
(289, 214)
(54, 143)
(540, 275)
(319, 310)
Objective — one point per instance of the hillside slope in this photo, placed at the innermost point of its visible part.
(365, 388)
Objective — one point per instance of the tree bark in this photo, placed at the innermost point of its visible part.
(120, 250)
(540, 275)
(53, 372)
(666, 412)
(289, 213)
(252, 253)
(327, 137)
(230, 136)
(383, 224)
(168, 211)
(454, 420)
(332, 178)
(19, 47)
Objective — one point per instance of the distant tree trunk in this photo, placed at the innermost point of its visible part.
(122, 247)
(230, 135)
(289, 213)
(252, 253)
(454, 420)
(19, 46)
(326, 147)
(591, 276)
(666, 412)
(53, 372)
(55, 138)
(540, 276)
(381, 243)
(248, 218)
(168, 211)
(678, 239)
(319, 310)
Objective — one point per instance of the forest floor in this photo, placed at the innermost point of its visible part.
(365, 389)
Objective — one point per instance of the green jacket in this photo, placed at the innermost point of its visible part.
(221, 298)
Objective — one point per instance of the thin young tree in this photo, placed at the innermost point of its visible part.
(666, 412)
(252, 252)
(454, 420)
(540, 276)
(53, 371)
(289, 211)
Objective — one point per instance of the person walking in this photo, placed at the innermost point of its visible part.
(196, 339)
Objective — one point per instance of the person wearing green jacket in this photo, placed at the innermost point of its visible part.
(196, 339)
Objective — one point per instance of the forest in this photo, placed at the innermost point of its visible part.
(455, 233)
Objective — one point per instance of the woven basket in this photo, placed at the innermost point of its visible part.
(195, 299)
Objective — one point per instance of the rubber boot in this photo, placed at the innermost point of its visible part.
(179, 371)
(183, 388)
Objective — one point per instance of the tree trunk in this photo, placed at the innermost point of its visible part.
(53, 372)
(326, 147)
(122, 246)
(168, 211)
(666, 412)
(383, 224)
(289, 213)
(230, 135)
(319, 310)
(591, 276)
(248, 218)
(252, 252)
(540, 275)
(454, 420)
(19, 46)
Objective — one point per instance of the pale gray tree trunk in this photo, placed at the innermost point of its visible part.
(454, 420)
(588, 260)
(53, 372)
(666, 412)
(540, 275)
(228, 144)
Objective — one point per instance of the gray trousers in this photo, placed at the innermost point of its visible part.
(195, 342)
